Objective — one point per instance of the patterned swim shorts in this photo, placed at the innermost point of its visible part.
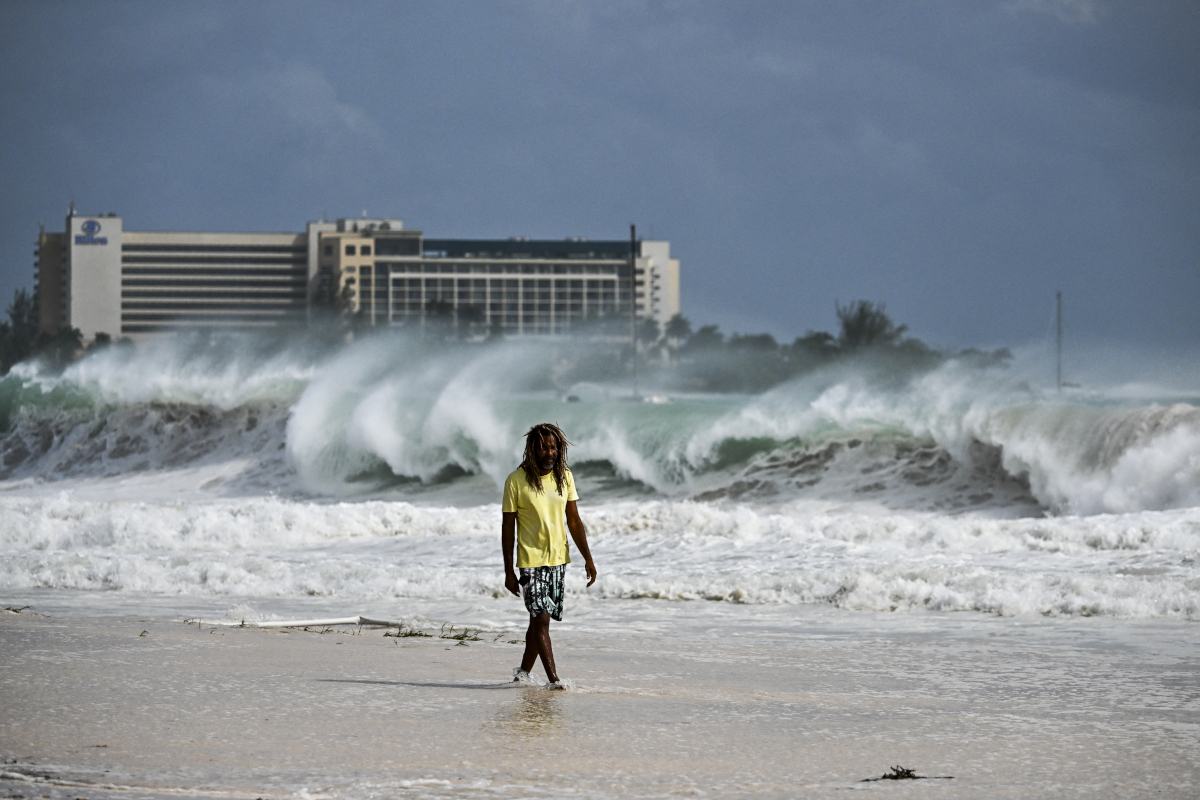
(542, 590)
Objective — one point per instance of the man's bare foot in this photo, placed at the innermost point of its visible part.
(556, 686)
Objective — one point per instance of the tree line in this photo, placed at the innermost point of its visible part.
(705, 359)
(22, 339)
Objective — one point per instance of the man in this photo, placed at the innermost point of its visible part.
(538, 496)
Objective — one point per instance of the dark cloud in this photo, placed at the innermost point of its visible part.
(960, 161)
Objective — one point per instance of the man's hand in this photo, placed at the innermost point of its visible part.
(590, 566)
(508, 538)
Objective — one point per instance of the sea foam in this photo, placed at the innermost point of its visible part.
(864, 558)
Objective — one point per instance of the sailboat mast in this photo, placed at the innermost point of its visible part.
(1058, 369)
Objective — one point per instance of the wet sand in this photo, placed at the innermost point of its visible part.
(1006, 708)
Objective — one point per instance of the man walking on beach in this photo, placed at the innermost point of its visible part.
(538, 496)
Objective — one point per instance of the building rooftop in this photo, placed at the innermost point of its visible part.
(527, 248)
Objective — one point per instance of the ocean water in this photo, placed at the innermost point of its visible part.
(218, 478)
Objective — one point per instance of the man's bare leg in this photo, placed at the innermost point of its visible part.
(537, 643)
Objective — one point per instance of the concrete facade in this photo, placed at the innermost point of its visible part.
(172, 280)
(658, 282)
(93, 280)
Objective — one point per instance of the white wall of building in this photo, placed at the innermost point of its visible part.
(660, 300)
(94, 281)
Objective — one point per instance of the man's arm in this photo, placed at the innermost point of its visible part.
(579, 534)
(508, 540)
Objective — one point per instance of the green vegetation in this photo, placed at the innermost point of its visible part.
(20, 338)
(705, 360)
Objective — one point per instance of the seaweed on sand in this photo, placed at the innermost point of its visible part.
(404, 632)
(899, 773)
(466, 635)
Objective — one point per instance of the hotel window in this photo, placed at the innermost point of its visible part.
(349, 249)
(366, 250)
(328, 249)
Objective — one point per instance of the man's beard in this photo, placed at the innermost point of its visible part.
(547, 465)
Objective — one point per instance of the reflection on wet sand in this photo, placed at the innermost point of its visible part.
(536, 713)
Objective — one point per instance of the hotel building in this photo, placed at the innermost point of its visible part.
(98, 277)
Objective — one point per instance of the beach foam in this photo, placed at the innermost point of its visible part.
(859, 558)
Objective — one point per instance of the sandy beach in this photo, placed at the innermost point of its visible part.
(1064, 708)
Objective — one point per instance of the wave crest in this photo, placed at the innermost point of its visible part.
(395, 415)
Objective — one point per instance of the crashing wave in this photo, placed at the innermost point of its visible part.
(391, 417)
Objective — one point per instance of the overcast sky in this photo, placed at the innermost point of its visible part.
(959, 161)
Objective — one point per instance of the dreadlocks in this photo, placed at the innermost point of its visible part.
(536, 435)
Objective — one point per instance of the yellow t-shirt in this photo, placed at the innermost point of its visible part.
(541, 518)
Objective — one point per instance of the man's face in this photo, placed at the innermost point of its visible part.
(546, 452)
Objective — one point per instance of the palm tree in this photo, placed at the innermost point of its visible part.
(865, 324)
(678, 328)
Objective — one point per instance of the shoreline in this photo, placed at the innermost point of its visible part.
(1008, 708)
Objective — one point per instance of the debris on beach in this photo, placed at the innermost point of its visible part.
(467, 635)
(899, 773)
(405, 632)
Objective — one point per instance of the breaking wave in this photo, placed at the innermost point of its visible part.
(389, 417)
